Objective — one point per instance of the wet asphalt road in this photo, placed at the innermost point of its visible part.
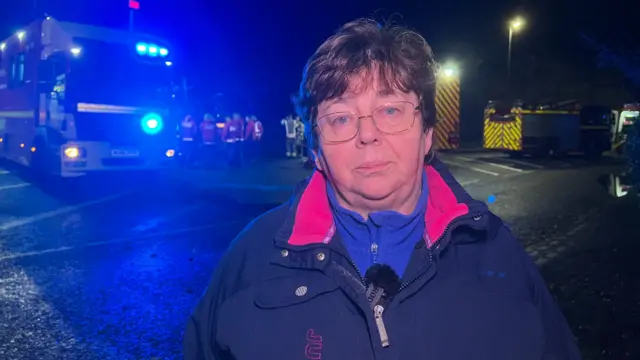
(109, 268)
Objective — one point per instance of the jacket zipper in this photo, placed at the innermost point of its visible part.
(378, 309)
(382, 330)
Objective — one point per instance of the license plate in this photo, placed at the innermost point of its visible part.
(124, 153)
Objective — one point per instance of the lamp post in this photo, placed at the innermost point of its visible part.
(515, 25)
(133, 6)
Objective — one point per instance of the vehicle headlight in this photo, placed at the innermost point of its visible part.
(74, 152)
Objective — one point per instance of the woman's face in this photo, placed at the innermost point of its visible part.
(374, 168)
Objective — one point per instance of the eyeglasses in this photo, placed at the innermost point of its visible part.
(391, 118)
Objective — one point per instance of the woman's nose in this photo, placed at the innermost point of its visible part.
(368, 132)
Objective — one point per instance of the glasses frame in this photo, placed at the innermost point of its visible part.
(360, 118)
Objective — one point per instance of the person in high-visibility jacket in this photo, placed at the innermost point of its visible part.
(253, 128)
(233, 129)
(188, 139)
(188, 129)
(258, 129)
(208, 135)
(232, 135)
(252, 135)
(289, 124)
(208, 130)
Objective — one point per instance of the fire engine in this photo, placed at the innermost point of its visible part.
(77, 99)
(547, 128)
(623, 127)
(447, 130)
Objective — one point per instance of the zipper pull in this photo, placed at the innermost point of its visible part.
(382, 330)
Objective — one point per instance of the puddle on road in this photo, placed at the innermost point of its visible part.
(620, 185)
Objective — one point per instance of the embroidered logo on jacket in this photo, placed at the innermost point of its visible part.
(313, 350)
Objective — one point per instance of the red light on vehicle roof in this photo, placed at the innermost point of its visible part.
(133, 4)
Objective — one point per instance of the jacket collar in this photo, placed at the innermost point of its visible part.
(311, 221)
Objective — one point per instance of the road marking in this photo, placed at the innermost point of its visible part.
(465, 183)
(465, 158)
(470, 167)
(505, 167)
(526, 164)
(14, 186)
(510, 168)
(49, 214)
(118, 240)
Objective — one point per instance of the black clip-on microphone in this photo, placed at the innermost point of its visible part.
(382, 285)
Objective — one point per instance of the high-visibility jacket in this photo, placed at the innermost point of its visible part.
(233, 131)
(290, 127)
(253, 130)
(188, 129)
(208, 131)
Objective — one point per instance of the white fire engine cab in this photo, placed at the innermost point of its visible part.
(623, 123)
(76, 99)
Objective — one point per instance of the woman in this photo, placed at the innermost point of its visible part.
(380, 254)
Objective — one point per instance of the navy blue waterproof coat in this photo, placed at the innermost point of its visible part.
(287, 290)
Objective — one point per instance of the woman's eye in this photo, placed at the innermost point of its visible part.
(391, 111)
(340, 120)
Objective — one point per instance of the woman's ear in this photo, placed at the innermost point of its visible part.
(428, 141)
(316, 159)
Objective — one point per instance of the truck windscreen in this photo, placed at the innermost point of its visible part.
(596, 116)
(112, 73)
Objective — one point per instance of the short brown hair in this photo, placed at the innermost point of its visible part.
(402, 57)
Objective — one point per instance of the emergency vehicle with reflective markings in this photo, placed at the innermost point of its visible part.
(77, 99)
(447, 130)
(543, 129)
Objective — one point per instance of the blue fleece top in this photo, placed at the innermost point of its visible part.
(386, 237)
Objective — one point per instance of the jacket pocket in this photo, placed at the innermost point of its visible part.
(302, 316)
(289, 291)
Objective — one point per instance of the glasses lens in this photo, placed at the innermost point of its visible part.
(338, 126)
(394, 117)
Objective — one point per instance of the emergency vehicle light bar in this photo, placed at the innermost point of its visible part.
(110, 109)
(151, 50)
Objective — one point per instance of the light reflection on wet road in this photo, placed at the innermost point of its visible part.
(112, 269)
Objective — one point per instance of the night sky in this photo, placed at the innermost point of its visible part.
(254, 51)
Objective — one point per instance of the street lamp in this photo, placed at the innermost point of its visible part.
(515, 25)
(449, 70)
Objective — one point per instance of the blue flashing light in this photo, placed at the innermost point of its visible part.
(491, 199)
(141, 48)
(151, 50)
(152, 123)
